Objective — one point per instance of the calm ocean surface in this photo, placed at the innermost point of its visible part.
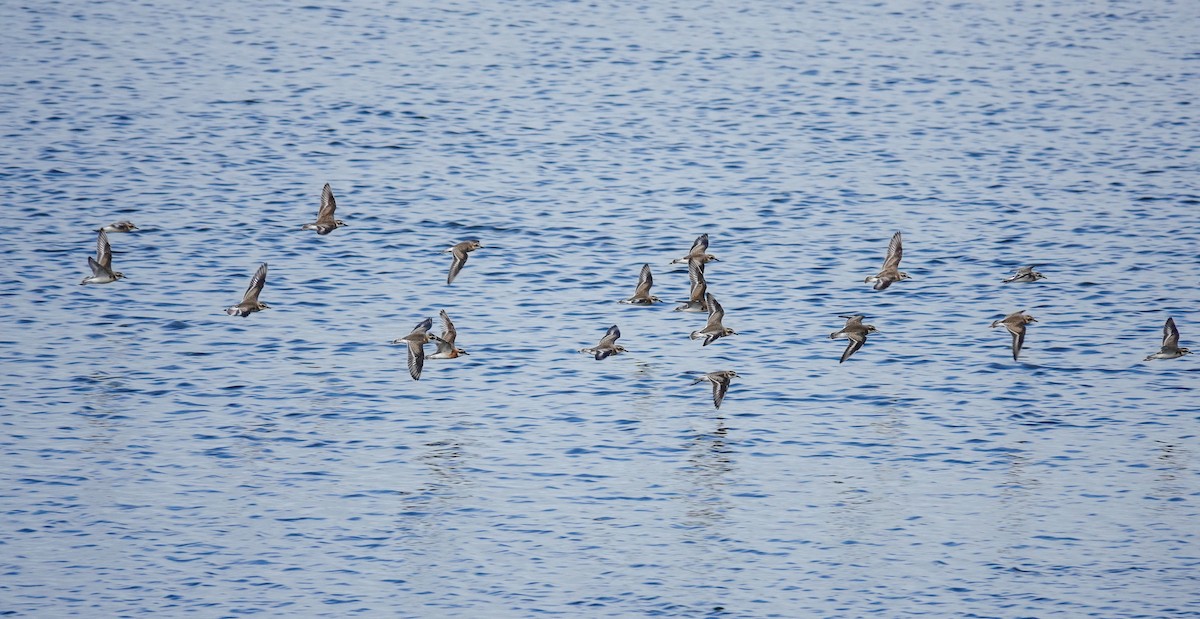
(159, 458)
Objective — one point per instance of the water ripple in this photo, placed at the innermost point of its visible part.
(165, 458)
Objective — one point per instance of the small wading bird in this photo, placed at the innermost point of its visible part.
(608, 345)
(120, 226)
(416, 346)
(445, 343)
(1170, 343)
(714, 330)
(891, 266)
(325, 222)
(695, 302)
(1015, 323)
(102, 272)
(856, 332)
(1025, 274)
(698, 252)
(720, 382)
(460, 252)
(250, 302)
(641, 295)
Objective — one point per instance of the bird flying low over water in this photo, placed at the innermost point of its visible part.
(699, 252)
(1025, 274)
(695, 302)
(325, 222)
(608, 345)
(445, 343)
(102, 272)
(1170, 343)
(891, 266)
(1015, 323)
(250, 302)
(120, 226)
(416, 346)
(720, 382)
(856, 332)
(460, 251)
(641, 295)
(714, 330)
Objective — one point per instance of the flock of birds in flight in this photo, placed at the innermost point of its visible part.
(700, 300)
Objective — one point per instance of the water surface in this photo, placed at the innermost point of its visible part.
(162, 458)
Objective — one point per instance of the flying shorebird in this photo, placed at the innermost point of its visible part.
(695, 302)
(720, 381)
(1015, 323)
(891, 266)
(1170, 343)
(102, 272)
(416, 346)
(856, 332)
(325, 222)
(608, 344)
(641, 295)
(120, 226)
(699, 251)
(250, 302)
(445, 343)
(714, 330)
(460, 252)
(1025, 274)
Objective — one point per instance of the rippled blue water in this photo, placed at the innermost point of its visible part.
(160, 458)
